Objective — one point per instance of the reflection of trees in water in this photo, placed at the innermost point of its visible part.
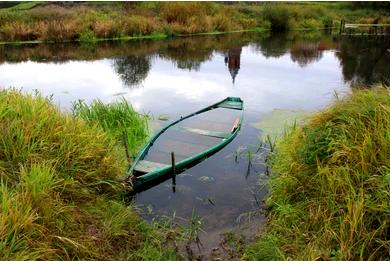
(305, 53)
(304, 48)
(274, 45)
(132, 69)
(186, 52)
(365, 61)
(186, 55)
(190, 52)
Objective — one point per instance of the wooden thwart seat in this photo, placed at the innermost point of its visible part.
(217, 134)
(231, 105)
(146, 166)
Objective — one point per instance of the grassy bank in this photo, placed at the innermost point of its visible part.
(329, 188)
(60, 191)
(40, 21)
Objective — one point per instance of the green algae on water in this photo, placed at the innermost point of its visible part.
(274, 123)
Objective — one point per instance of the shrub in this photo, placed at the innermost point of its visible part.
(222, 23)
(278, 17)
(327, 22)
(310, 24)
(87, 36)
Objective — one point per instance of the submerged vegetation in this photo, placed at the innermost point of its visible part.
(91, 21)
(59, 188)
(329, 187)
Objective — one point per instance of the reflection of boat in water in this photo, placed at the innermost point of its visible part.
(187, 141)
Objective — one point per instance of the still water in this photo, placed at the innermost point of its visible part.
(295, 72)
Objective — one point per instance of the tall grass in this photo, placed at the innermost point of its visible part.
(59, 189)
(80, 21)
(118, 119)
(329, 188)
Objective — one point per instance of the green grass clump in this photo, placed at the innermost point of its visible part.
(118, 119)
(59, 189)
(329, 189)
(87, 36)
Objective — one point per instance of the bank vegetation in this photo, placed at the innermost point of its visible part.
(60, 192)
(92, 21)
(330, 185)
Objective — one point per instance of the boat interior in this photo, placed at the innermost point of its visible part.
(191, 136)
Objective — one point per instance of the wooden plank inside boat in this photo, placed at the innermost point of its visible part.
(179, 147)
(179, 134)
(217, 134)
(146, 166)
(207, 125)
(219, 115)
(231, 105)
(218, 120)
(162, 157)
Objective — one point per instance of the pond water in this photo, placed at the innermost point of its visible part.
(271, 73)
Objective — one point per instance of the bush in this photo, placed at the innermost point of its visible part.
(311, 24)
(327, 22)
(278, 17)
(87, 36)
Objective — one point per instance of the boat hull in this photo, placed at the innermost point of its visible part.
(166, 171)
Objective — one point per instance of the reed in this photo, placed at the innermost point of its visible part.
(329, 188)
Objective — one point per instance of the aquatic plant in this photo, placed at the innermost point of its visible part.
(329, 187)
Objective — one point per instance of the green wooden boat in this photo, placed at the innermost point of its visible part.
(191, 138)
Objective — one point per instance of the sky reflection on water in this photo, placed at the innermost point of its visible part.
(263, 83)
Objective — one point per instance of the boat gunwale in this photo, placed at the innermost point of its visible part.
(181, 164)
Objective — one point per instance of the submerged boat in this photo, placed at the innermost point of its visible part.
(186, 141)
